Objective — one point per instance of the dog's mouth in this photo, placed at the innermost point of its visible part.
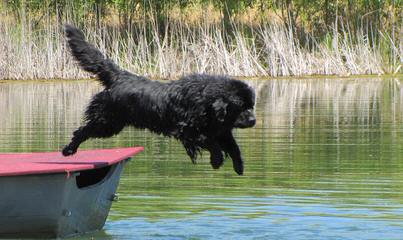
(245, 123)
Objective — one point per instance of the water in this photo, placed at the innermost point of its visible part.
(325, 161)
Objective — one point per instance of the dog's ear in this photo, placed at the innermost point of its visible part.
(220, 109)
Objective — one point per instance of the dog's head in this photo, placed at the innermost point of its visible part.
(246, 119)
(238, 108)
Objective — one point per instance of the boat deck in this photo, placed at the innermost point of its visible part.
(15, 164)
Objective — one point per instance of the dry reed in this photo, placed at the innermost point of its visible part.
(269, 50)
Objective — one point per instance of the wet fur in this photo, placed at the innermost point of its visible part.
(198, 110)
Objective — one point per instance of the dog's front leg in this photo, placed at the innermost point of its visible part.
(228, 144)
(216, 156)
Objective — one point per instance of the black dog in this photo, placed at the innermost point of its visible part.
(198, 110)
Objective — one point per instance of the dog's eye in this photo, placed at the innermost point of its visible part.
(249, 105)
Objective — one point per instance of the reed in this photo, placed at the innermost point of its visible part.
(39, 52)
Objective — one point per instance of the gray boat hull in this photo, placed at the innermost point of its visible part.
(57, 205)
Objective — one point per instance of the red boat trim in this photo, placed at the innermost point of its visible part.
(15, 164)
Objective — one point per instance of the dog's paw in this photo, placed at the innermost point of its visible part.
(216, 160)
(216, 163)
(238, 167)
(68, 150)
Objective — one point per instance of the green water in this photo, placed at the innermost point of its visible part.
(325, 161)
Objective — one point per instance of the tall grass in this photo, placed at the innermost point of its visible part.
(28, 52)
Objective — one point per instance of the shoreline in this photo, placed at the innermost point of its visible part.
(262, 78)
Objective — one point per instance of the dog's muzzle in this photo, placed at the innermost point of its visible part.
(246, 119)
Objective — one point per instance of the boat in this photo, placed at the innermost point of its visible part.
(47, 195)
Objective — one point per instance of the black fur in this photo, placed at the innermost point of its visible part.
(198, 110)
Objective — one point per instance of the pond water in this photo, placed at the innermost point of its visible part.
(325, 161)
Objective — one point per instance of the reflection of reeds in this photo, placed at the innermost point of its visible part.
(32, 114)
(331, 102)
(55, 109)
(269, 50)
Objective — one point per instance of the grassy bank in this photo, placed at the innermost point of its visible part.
(29, 50)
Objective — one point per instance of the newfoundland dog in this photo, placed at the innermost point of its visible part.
(198, 110)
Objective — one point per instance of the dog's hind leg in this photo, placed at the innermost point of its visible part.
(92, 129)
(103, 119)
(79, 136)
(228, 144)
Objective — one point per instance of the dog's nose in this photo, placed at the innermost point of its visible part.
(251, 122)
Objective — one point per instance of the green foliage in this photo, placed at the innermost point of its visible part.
(317, 15)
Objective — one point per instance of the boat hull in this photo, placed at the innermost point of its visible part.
(58, 204)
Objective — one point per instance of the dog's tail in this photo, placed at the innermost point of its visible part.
(90, 58)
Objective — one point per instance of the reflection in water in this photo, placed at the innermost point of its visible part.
(324, 161)
(35, 116)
